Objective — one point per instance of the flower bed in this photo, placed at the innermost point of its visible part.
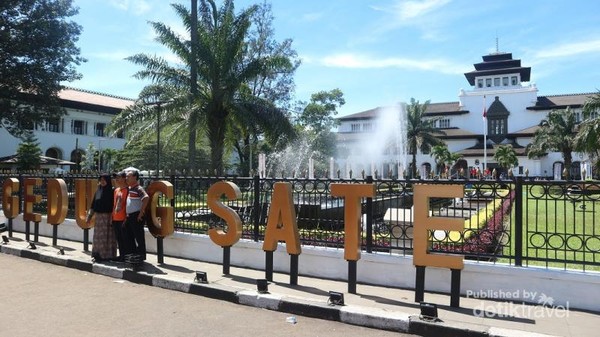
(485, 240)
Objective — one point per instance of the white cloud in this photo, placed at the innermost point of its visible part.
(312, 17)
(138, 7)
(427, 16)
(356, 61)
(409, 10)
(111, 56)
(569, 49)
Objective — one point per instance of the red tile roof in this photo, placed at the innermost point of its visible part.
(94, 98)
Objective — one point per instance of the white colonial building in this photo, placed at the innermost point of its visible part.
(87, 116)
(501, 86)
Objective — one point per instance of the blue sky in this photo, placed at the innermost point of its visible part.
(378, 52)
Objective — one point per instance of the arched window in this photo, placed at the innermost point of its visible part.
(54, 153)
(76, 156)
(575, 171)
(425, 170)
(557, 169)
(462, 164)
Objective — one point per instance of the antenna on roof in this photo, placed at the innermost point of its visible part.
(497, 48)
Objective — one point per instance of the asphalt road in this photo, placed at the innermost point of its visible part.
(40, 299)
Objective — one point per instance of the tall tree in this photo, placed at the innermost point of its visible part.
(28, 153)
(223, 69)
(193, 56)
(316, 120)
(421, 135)
(506, 156)
(443, 157)
(275, 85)
(556, 133)
(89, 158)
(38, 53)
(589, 131)
(222, 73)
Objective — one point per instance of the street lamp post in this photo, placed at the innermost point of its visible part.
(158, 139)
(153, 99)
(100, 153)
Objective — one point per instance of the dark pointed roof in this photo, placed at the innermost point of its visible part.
(498, 64)
(497, 109)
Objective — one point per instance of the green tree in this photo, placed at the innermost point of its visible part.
(589, 131)
(28, 153)
(222, 73)
(89, 158)
(275, 85)
(109, 159)
(315, 122)
(506, 157)
(420, 131)
(443, 156)
(38, 53)
(440, 154)
(556, 133)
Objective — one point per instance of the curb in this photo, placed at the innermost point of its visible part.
(349, 314)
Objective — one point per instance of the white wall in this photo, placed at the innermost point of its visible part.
(565, 287)
(66, 141)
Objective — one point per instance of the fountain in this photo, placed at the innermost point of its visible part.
(381, 153)
(384, 149)
(292, 161)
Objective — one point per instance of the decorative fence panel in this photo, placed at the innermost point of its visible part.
(519, 222)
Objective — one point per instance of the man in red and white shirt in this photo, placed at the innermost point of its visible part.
(137, 201)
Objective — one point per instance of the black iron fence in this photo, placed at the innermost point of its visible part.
(519, 222)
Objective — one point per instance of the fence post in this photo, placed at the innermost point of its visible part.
(518, 234)
(369, 212)
(257, 210)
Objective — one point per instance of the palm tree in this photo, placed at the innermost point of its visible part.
(452, 159)
(224, 71)
(421, 133)
(440, 154)
(556, 133)
(589, 130)
(218, 57)
(275, 86)
(506, 156)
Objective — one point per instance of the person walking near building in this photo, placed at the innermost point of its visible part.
(104, 244)
(137, 200)
(119, 215)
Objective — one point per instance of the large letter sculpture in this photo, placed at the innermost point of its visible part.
(84, 194)
(352, 193)
(234, 223)
(282, 226)
(10, 202)
(28, 214)
(57, 201)
(423, 223)
(57, 205)
(161, 219)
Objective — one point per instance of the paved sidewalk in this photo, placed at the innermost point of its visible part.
(373, 306)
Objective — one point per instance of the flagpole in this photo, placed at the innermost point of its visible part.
(484, 137)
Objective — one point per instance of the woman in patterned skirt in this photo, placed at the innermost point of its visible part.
(104, 244)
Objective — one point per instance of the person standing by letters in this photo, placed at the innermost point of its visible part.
(119, 215)
(104, 244)
(137, 200)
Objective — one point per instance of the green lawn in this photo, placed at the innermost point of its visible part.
(558, 228)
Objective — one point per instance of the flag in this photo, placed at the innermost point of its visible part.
(484, 109)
